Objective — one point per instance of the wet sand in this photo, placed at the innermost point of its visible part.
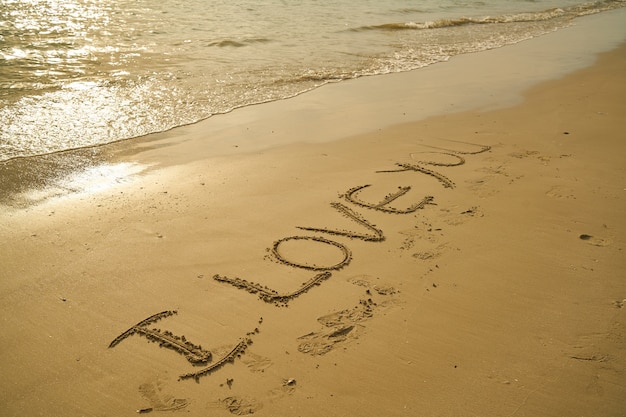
(388, 261)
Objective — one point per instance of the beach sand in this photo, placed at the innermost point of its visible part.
(385, 261)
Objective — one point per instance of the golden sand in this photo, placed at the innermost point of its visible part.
(466, 264)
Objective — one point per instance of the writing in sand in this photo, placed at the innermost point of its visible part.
(349, 202)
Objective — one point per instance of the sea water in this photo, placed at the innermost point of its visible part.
(78, 73)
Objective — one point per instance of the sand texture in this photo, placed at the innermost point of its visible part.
(466, 264)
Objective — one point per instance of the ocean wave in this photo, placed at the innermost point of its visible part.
(539, 16)
(95, 92)
(225, 43)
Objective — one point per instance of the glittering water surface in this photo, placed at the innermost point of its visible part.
(75, 73)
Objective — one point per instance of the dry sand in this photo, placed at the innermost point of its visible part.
(468, 264)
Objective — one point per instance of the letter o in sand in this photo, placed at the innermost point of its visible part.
(347, 255)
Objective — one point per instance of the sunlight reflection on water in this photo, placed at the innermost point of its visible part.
(101, 177)
(86, 181)
(77, 73)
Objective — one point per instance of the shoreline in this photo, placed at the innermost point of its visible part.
(317, 116)
(501, 295)
(455, 86)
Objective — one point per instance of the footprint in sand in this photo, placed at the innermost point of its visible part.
(345, 325)
(595, 241)
(425, 232)
(320, 343)
(288, 387)
(238, 405)
(256, 363)
(153, 392)
(366, 281)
